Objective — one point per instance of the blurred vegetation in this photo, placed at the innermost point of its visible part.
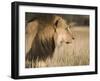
(77, 20)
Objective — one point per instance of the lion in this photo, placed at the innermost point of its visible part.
(44, 33)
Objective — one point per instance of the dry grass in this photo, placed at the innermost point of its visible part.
(74, 54)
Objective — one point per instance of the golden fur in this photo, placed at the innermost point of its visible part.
(43, 35)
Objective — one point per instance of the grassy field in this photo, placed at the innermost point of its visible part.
(74, 54)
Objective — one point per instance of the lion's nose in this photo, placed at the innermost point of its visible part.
(73, 38)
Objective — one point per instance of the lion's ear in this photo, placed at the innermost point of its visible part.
(56, 23)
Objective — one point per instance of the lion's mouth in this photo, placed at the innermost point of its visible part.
(68, 42)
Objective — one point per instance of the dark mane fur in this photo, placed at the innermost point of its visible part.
(42, 48)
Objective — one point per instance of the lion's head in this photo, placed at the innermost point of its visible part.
(63, 33)
(46, 32)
